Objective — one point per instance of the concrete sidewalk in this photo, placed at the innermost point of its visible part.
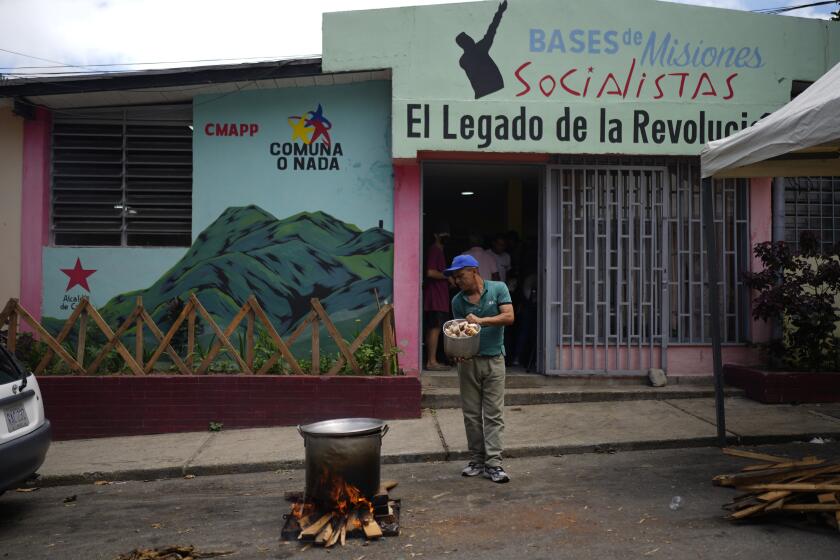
(545, 429)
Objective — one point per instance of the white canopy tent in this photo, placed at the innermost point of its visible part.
(800, 139)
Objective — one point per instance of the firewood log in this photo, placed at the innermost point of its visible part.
(380, 504)
(794, 487)
(805, 462)
(307, 520)
(747, 511)
(371, 528)
(325, 534)
(833, 519)
(777, 505)
(313, 529)
(772, 496)
(351, 517)
(811, 507)
(752, 455)
(351, 524)
(337, 525)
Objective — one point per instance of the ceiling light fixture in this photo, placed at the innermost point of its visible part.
(467, 193)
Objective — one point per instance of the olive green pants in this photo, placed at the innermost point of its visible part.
(482, 400)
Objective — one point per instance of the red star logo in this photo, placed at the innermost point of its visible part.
(78, 276)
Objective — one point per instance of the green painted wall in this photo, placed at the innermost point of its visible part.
(292, 199)
(351, 180)
(103, 272)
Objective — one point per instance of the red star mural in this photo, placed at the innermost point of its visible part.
(78, 276)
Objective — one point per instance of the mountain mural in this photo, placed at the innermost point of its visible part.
(283, 263)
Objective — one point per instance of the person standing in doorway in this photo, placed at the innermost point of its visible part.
(499, 252)
(486, 261)
(482, 378)
(526, 310)
(436, 297)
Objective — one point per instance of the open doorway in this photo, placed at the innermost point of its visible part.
(490, 210)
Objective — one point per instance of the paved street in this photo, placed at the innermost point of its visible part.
(598, 505)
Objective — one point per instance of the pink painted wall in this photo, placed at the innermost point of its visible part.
(407, 263)
(592, 358)
(683, 360)
(761, 229)
(35, 209)
(697, 360)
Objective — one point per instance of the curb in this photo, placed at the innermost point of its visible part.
(437, 456)
(450, 398)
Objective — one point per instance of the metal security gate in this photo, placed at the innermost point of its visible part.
(606, 255)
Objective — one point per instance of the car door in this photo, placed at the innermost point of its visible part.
(21, 411)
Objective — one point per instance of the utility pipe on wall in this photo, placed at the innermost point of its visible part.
(777, 234)
(778, 231)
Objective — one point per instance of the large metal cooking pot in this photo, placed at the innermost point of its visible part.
(348, 449)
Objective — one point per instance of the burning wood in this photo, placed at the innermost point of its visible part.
(370, 527)
(347, 513)
(781, 484)
(315, 528)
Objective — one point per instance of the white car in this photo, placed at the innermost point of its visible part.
(25, 433)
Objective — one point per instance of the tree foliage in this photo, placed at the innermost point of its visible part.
(799, 291)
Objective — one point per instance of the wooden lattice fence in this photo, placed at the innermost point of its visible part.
(251, 312)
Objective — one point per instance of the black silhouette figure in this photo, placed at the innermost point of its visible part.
(482, 72)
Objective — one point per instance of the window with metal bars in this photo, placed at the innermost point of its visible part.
(122, 177)
(812, 204)
(689, 319)
(688, 275)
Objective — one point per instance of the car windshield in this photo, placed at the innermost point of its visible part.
(8, 371)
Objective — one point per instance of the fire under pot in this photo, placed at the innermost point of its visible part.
(344, 496)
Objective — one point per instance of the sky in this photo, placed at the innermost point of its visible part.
(94, 33)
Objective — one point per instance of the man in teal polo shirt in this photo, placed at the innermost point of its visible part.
(482, 377)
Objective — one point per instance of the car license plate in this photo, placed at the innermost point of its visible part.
(16, 418)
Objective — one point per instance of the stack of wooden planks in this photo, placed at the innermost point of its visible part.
(782, 485)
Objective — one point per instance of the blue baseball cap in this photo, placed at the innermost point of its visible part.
(459, 262)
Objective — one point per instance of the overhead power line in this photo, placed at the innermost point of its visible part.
(42, 59)
(783, 9)
(101, 68)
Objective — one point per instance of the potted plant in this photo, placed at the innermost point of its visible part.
(798, 291)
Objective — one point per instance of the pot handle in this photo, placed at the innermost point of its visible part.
(385, 429)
